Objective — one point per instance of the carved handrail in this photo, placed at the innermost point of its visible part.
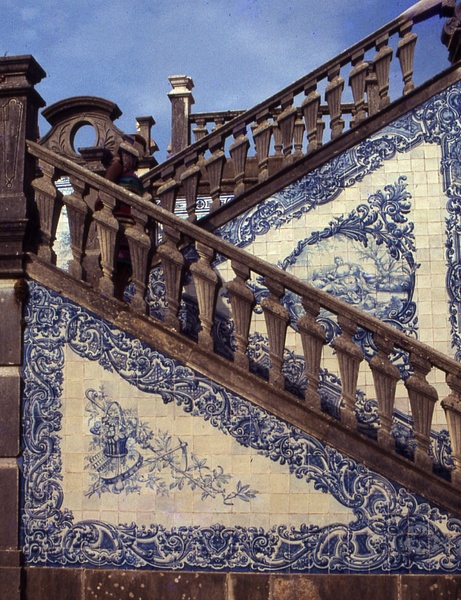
(247, 148)
(198, 264)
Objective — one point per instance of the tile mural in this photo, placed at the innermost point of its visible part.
(132, 460)
(159, 467)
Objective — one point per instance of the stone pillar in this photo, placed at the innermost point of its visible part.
(19, 104)
(181, 103)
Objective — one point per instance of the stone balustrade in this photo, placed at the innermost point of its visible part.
(188, 255)
(235, 150)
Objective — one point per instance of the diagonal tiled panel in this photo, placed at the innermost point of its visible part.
(132, 460)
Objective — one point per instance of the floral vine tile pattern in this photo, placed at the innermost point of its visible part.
(127, 455)
(132, 460)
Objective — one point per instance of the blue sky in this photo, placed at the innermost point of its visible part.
(237, 51)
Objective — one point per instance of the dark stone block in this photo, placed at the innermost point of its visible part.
(10, 558)
(42, 583)
(10, 583)
(339, 587)
(249, 586)
(10, 328)
(10, 386)
(9, 503)
(433, 587)
(149, 585)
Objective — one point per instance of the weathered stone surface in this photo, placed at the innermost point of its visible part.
(9, 504)
(10, 328)
(48, 584)
(10, 583)
(10, 558)
(433, 587)
(248, 586)
(339, 587)
(145, 585)
(9, 411)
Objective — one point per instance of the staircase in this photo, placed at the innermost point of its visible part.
(181, 268)
(198, 265)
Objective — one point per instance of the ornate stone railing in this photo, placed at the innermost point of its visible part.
(246, 149)
(200, 266)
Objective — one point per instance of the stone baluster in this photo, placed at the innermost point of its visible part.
(320, 129)
(173, 267)
(262, 133)
(385, 377)
(214, 166)
(357, 81)
(140, 249)
(382, 65)
(278, 144)
(333, 93)
(78, 218)
(310, 108)
(422, 401)
(190, 179)
(313, 339)
(286, 122)
(349, 358)
(168, 191)
(452, 407)
(242, 302)
(200, 131)
(49, 204)
(298, 135)
(239, 151)
(406, 55)
(107, 228)
(372, 89)
(218, 122)
(276, 316)
(207, 283)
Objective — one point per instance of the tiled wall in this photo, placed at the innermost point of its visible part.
(132, 460)
(377, 226)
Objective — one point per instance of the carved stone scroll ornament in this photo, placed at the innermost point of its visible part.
(68, 116)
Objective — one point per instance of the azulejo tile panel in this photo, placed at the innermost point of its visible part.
(132, 460)
(419, 152)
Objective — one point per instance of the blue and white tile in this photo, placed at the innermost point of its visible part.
(306, 498)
